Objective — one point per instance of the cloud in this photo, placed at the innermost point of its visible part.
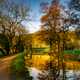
(32, 26)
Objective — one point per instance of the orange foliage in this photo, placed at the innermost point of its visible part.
(73, 65)
(44, 18)
(53, 12)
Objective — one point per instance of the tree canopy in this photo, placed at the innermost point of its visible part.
(75, 4)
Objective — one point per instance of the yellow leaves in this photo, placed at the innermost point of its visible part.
(39, 61)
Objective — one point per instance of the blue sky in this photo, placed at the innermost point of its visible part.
(35, 13)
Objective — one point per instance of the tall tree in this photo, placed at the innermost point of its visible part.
(10, 22)
(51, 30)
(55, 29)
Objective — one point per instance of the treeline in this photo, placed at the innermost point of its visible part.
(12, 32)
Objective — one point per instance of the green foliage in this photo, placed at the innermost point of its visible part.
(2, 52)
(19, 63)
(18, 68)
(4, 41)
(72, 52)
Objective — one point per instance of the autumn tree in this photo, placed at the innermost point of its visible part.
(51, 29)
(55, 30)
(50, 22)
(10, 22)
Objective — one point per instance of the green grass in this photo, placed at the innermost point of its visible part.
(72, 52)
(18, 68)
(18, 63)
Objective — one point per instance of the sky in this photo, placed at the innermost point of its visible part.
(33, 25)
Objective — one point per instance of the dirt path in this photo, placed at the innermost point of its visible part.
(4, 67)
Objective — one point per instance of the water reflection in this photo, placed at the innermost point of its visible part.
(70, 74)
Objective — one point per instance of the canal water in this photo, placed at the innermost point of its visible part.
(70, 74)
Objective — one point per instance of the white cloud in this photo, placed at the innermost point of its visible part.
(32, 26)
